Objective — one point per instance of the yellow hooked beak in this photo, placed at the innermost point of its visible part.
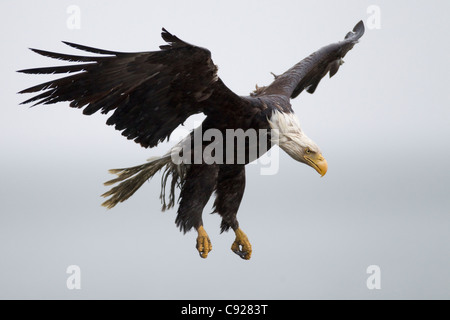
(318, 162)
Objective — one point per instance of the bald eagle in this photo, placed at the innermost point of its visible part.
(149, 94)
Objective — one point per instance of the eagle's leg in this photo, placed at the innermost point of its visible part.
(229, 192)
(197, 188)
(241, 246)
(203, 242)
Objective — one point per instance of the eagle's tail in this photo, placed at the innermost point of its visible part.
(131, 179)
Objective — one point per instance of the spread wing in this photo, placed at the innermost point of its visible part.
(148, 93)
(307, 73)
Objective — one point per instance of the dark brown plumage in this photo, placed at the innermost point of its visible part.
(149, 94)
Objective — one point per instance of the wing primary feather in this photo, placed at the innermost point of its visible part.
(334, 67)
(172, 40)
(38, 97)
(357, 32)
(65, 57)
(91, 49)
(50, 84)
(61, 69)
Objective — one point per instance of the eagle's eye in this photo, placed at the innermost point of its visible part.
(307, 151)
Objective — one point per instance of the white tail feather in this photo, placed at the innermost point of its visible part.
(131, 179)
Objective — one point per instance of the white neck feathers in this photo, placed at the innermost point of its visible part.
(286, 132)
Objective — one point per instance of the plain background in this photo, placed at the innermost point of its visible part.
(382, 123)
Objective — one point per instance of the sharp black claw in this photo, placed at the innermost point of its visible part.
(241, 254)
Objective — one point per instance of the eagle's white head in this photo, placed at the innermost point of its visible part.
(286, 132)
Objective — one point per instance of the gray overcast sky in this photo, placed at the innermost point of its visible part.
(382, 123)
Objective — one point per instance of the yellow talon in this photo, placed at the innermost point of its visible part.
(203, 242)
(241, 246)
